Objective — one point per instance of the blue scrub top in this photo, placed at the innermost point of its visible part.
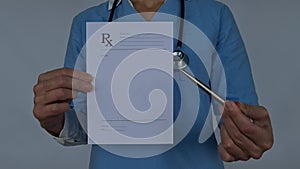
(215, 20)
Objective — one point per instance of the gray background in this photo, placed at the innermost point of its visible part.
(33, 37)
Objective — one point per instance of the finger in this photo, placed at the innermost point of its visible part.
(244, 124)
(221, 107)
(42, 112)
(261, 135)
(230, 147)
(241, 140)
(257, 113)
(55, 95)
(62, 82)
(225, 156)
(66, 72)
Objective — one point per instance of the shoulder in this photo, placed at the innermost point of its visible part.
(210, 4)
(209, 7)
(96, 13)
(211, 12)
(208, 15)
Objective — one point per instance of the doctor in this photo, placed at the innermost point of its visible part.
(241, 138)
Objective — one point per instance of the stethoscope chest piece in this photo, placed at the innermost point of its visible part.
(180, 60)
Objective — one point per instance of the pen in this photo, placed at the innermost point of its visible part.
(213, 94)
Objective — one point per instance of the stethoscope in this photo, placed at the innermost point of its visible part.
(180, 59)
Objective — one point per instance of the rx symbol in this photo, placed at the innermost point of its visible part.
(106, 40)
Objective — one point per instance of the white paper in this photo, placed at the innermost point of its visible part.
(132, 64)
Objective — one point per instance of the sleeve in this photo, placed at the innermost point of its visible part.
(233, 54)
(73, 133)
(74, 44)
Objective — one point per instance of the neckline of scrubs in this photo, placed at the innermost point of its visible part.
(171, 7)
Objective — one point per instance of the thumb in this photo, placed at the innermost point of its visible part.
(257, 113)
